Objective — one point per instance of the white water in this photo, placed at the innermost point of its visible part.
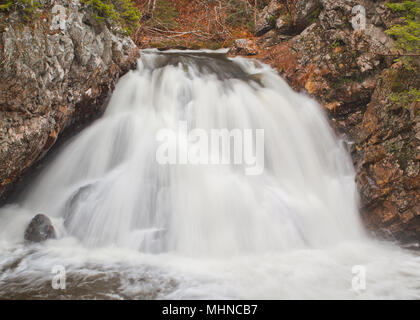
(131, 228)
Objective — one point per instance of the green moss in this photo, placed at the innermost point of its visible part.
(404, 86)
(337, 43)
(409, 7)
(315, 15)
(407, 35)
(27, 8)
(401, 150)
(407, 40)
(396, 84)
(120, 13)
(5, 5)
(272, 20)
(406, 98)
(346, 23)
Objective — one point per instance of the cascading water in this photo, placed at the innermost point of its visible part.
(130, 227)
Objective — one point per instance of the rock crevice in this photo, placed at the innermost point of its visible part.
(53, 76)
(350, 72)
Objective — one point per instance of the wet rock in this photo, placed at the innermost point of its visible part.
(40, 229)
(51, 79)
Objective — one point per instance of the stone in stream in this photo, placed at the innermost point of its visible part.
(244, 47)
(40, 229)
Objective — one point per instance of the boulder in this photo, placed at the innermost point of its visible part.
(301, 15)
(40, 229)
(244, 47)
(266, 19)
(53, 79)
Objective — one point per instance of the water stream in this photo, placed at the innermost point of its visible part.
(130, 227)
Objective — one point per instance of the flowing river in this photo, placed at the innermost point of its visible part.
(130, 227)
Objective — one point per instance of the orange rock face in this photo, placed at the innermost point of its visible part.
(50, 81)
(346, 71)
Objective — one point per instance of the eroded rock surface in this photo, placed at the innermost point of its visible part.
(387, 154)
(351, 73)
(51, 78)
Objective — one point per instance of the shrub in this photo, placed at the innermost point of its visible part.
(5, 5)
(405, 98)
(408, 34)
(407, 39)
(121, 13)
(26, 7)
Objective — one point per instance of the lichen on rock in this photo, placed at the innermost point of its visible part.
(53, 75)
(352, 73)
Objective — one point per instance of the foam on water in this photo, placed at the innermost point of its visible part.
(129, 227)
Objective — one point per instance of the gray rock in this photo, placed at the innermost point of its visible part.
(302, 16)
(52, 78)
(344, 65)
(287, 18)
(266, 19)
(40, 229)
(244, 47)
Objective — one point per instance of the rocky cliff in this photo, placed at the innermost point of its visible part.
(319, 48)
(56, 70)
(337, 51)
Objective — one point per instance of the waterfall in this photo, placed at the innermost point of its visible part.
(107, 194)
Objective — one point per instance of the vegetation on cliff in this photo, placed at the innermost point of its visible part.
(121, 13)
(53, 78)
(407, 34)
(25, 7)
(407, 41)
